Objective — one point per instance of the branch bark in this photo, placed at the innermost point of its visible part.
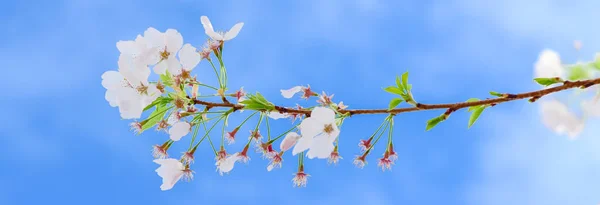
(532, 96)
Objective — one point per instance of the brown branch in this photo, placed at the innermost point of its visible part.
(532, 96)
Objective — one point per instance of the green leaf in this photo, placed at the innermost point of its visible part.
(167, 79)
(393, 90)
(398, 82)
(578, 73)
(162, 100)
(548, 81)
(596, 63)
(497, 94)
(405, 80)
(433, 122)
(475, 115)
(257, 102)
(394, 102)
(155, 117)
(473, 100)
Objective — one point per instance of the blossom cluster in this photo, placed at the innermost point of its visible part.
(175, 107)
(556, 114)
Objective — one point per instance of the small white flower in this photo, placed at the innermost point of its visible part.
(591, 107)
(226, 165)
(289, 141)
(277, 115)
(139, 50)
(171, 170)
(289, 93)
(166, 46)
(548, 65)
(189, 57)
(318, 132)
(178, 130)
(556, 116)
(220, 36)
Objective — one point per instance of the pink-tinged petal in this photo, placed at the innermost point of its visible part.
(154, 38)
(178, 130)
(289, 141)
(558, 117)
(303, 144)
(170, 170)
(174, 41)
(323, 115)
(189, 57)
(289, 93)
(206, 24)
(215, 36)
(591, 107)
(111, 97)
(233, 32)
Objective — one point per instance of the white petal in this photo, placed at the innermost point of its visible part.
(173, 65)
(270, 167)
(189, 57)
(160, 68)
(206, 24)
(170, 170)
(548, 65)
(289, 93)
(303, 144)
(591, 107)
(111, 97)
(233, 32)
(310, 127)
(556, 116)
(321, 148)
(289, 141)
(276, 115)
(215, 36)
(126, 47)
(174, 41)
(227, 164)
(178, 130)
(323, 115)
(112, 79)
(154, 37)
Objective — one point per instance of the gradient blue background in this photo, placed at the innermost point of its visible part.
(63, 144)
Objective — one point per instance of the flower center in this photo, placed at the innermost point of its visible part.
(328, 128)
(164, 55)
(142, 89)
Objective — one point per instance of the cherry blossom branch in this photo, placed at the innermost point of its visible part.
(533, 96)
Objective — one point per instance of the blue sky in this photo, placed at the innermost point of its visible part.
(64, 144)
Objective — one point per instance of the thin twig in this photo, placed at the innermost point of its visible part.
(534, 95)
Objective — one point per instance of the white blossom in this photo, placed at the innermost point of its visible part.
(220, 36)
(319, 131)
(556, 116)
(178, 130)
(166, 46)
(277, 115)
(226, 165)
(170, 170)
(548, 65)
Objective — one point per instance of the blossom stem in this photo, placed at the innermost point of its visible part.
(216, 73)
(379, 136)
(268, 129)
(210, 141)
(194, 136)
(420, 107)
(208, 131)
(247, 118)
(281, 135)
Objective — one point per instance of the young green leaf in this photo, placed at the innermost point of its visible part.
(475, 115)
(167, 79)
(155, 117)
(162, 100)
(394, 102)
(497, 94)
(405, 80)
(433, 122)
(393, 90)
(578, 73)
(548, 81)
(398, 82)
(473, 100)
